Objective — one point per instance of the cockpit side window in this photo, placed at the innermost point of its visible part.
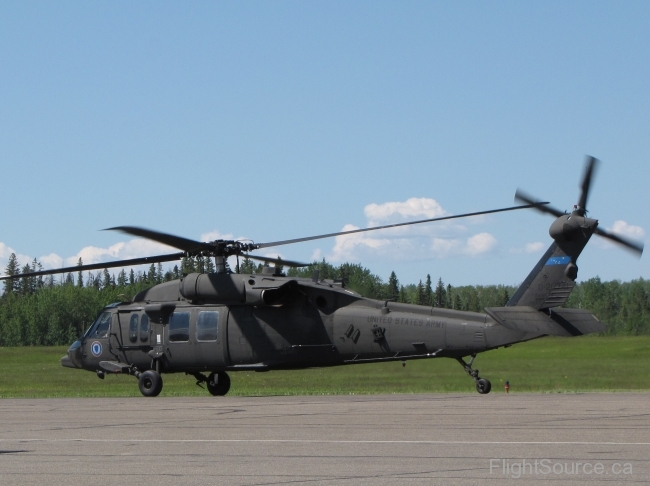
(101, 326)
(133, 328)
(144, 328)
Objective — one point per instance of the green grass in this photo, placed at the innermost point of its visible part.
(545, 365)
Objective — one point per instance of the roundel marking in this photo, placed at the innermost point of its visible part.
(96, 348)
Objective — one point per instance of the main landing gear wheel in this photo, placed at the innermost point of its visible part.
(150, 383)
(218, 383)
(483, 386)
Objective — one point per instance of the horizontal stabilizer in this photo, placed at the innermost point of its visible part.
(553, 322)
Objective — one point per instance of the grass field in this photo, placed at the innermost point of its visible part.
(546, 365)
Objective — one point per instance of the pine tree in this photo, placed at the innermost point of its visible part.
(209, 265)
(12, 285)
(131, 277)
(420, 294)
(107, 280)
(151, 275)
(402, 294)
(449, 303)
(187, 265)
(473, 302)
(504, 297)
(25, 282)
(247, 266)
(121, 279)
(441, 294)
(458, 303)
(159, 273)
(200, 264)
(176, 273)
(69, 279)
(393, 287)
(80, 276)
(35, 282)
(428, 291)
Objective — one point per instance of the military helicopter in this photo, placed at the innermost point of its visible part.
(207, 325)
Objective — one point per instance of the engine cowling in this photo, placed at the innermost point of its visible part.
(221, 287)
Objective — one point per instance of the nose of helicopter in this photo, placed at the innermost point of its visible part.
(73, 358)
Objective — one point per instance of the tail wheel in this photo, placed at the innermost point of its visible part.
(218, 383)
(150, 383)
(483, 386)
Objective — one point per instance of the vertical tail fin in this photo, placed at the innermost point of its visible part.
(553, 278)
(551, 281)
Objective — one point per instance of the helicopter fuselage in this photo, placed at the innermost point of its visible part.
(230, 322)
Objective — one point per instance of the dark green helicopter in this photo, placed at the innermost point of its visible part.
(220, 322)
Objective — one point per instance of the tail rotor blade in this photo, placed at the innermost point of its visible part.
(634, 246)
(590, 167)
(544, 208)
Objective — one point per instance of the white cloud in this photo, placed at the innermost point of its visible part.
(317, 255)
(346, 247)
(5, 253)
(418, 242)
(622, 228)
(480, 244)
(422, 208)
(535, 247)
(51, 261)
(216, 235)
(123, 250)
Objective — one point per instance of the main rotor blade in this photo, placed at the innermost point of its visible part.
(375, 228)
(278, 261)
(543, 207)
(100, 266)
(184, 244)
(590, 166)
(635, 246)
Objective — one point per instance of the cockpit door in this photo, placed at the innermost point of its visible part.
(95, 343)
(130, 339)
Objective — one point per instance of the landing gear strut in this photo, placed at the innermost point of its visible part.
(217, 383)
(483, 386)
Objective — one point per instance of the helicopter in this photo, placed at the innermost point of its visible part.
(209, 325)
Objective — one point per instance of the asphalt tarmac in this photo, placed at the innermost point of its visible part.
(367, 440)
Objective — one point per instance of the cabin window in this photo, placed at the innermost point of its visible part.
(102, 324)
(207, 326)
(144, 328)
(133, 328)
(179, 327)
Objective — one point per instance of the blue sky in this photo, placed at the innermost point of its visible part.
(275, 120)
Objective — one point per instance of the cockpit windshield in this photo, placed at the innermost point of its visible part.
(101, 326)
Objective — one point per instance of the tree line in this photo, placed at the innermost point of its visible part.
(45, 310)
